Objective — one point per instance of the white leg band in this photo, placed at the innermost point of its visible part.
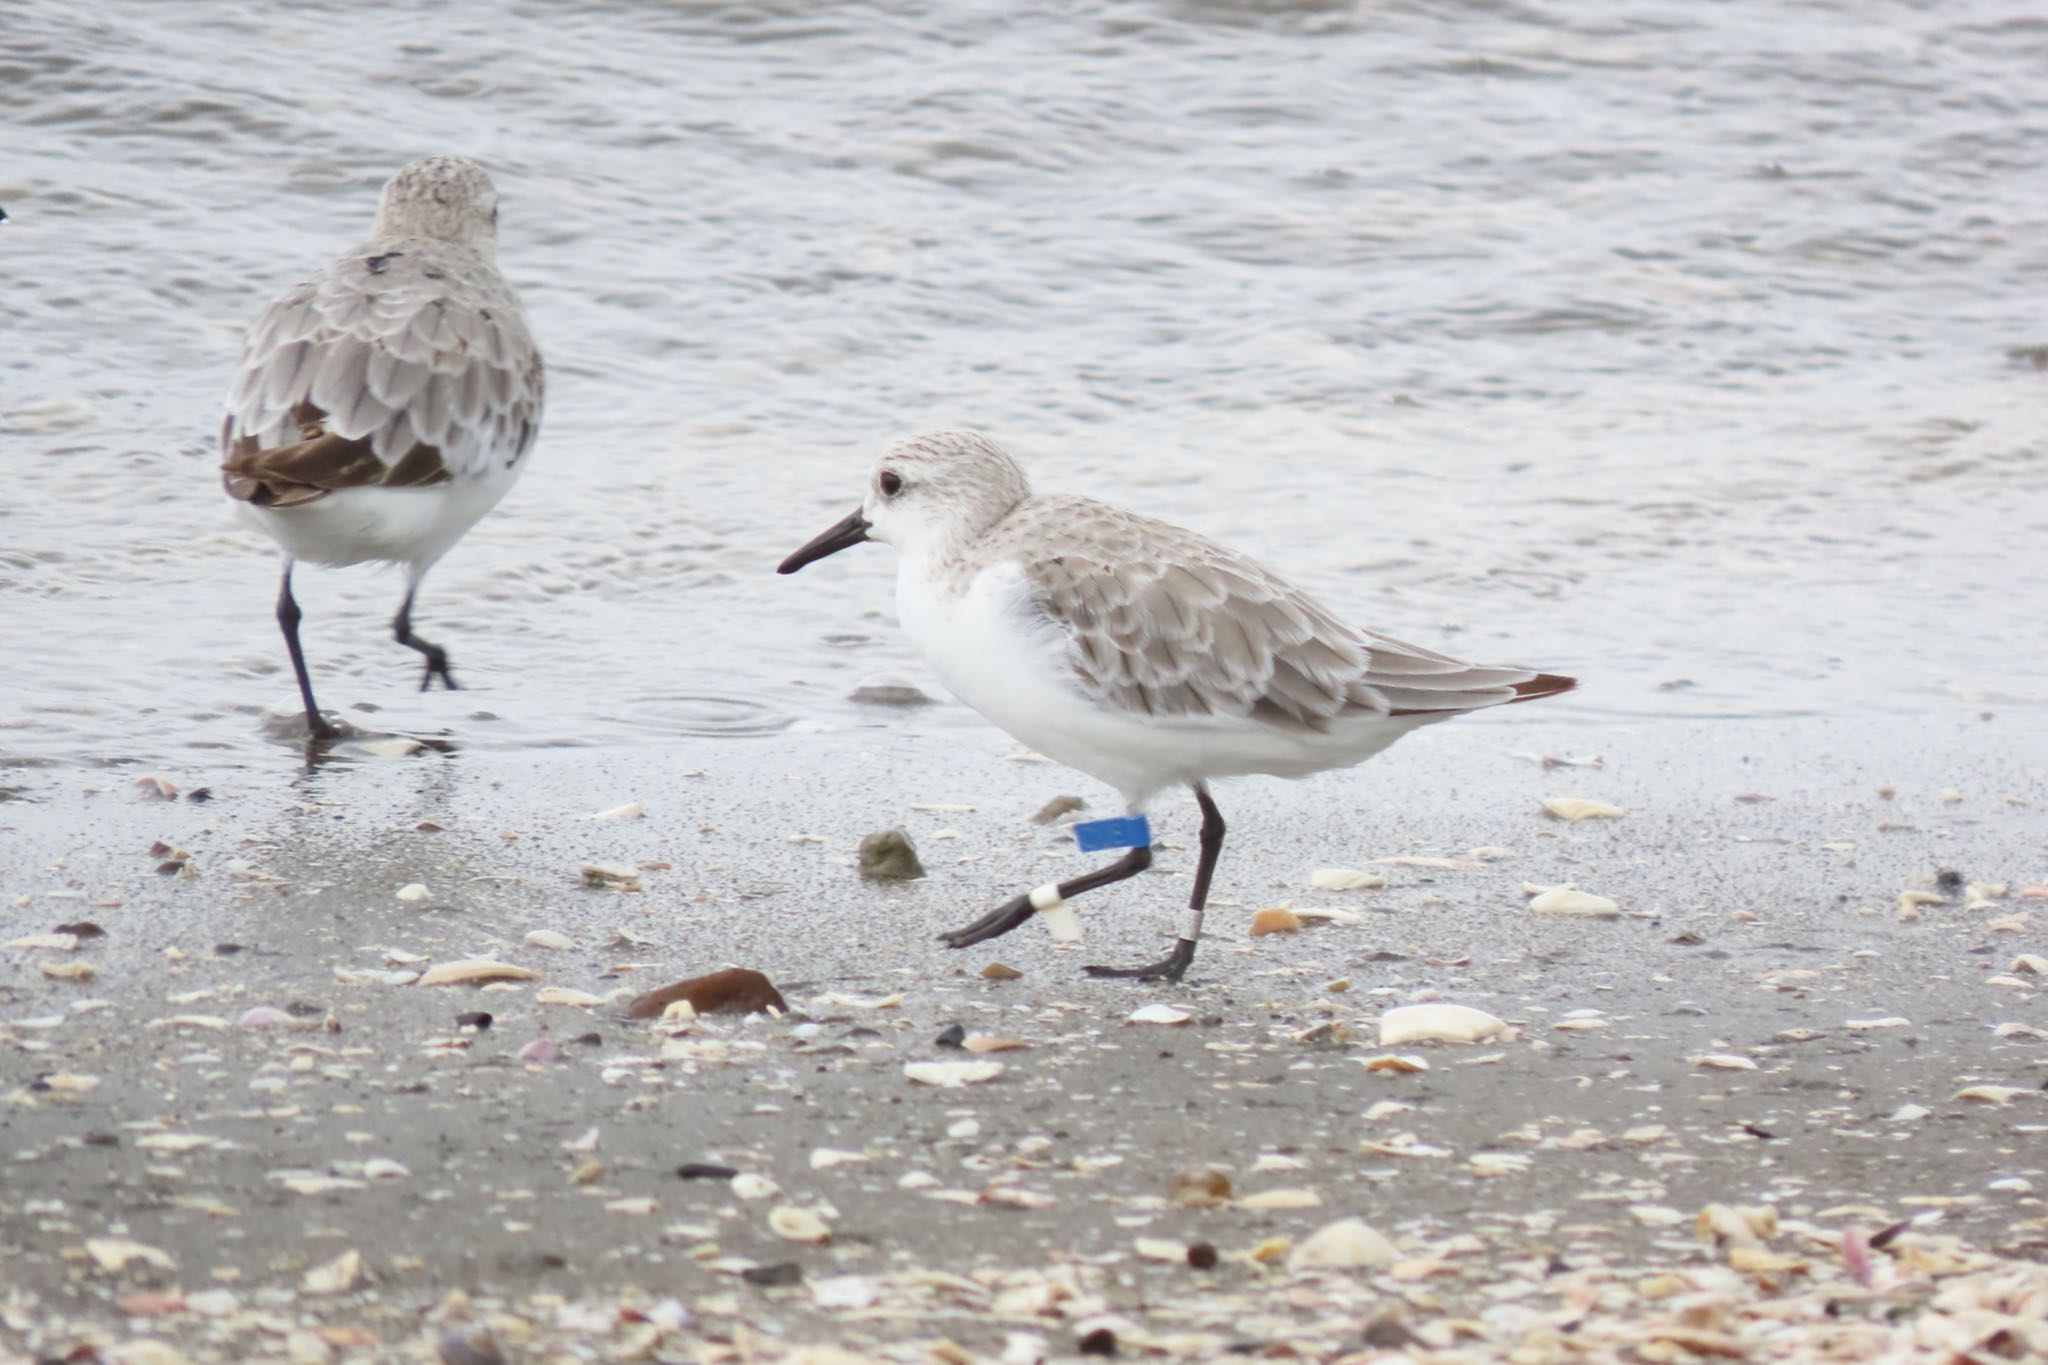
(1191, 926)
(1046, 897)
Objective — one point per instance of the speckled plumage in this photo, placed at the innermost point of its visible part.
(387, 402)
(1137, 651)
(404, 362)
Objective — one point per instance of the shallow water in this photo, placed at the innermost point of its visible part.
(1663, 343)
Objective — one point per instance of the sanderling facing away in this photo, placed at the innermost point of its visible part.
(386, 403)
(1138, 652)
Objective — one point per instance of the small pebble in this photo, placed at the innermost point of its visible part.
(889, 856)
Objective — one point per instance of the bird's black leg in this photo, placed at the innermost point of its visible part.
(437, 658)
(288, 617)
(1175, 964)
(1017, 909)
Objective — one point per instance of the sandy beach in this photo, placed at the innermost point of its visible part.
(1797, 1006)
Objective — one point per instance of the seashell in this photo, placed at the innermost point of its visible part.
(1438, 1023)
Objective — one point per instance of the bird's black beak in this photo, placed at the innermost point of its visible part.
(851, 529)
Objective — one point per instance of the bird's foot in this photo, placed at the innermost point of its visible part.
(437, 667)
(1171, 968)
(994, 924)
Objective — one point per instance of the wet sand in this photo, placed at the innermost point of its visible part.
(138, 1109)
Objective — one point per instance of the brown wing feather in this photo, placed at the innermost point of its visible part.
(402, 364)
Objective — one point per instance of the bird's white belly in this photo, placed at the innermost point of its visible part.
(411, 526)
(985, 649)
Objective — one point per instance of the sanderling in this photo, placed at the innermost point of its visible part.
(385, 403)
(1141, 653)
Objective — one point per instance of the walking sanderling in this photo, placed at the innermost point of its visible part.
(386, 403)
(1142, 654)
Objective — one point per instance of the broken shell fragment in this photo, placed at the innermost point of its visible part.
(1275, 919)
(549, 938)
(1732, 1225)
(611, 876)
(1347, 1244)
(948, 1075)
(1722, 1061)
(1055, 808)
(1581, 808)
(337, 1276)
(751, 1185)
(889, 856)
(796, 1224)
(475, 970)
(1991, 1094)
(631, 810)
(1198, 1187)
(999, 971)
(731, 990)
(1061, 922)
(59, 942)
(1389, 1061)
(413, 891)
(562, 995)
(1158, 1014)
(114, 1253)
(1438, 1023)
(1281, 1199)
(1569, 900)
(263, 1016)
(1345, 879)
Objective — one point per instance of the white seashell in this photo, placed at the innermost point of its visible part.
(1062, 923)
(833, 1000)
(1582, 808)
(549, 938)
(632, 810)
(413, 891)
(263, 1016)
(562, 995)
(949, 1075)
(112, 1253)
(748, 1185)
(384, 1168)
(1891, 1021)
(1158, 1014)
(337, 1276)
(1485, 1164)
(1159, 1249)
(1438, 1023)
(62, 943)
(796, 1224)
(1281, 1199)
(476, 969)
(1992, 1094)
(1347, 1244)
(1569, 900)
(1345, 879)
(826, 1157)
(849, 1292)
(1722, 1061)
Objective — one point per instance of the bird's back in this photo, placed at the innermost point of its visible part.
(405, 362)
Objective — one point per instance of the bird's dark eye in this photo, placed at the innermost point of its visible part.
(891, 483)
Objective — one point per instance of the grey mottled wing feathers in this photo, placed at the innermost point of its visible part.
(1162, 621)
(402, 363)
